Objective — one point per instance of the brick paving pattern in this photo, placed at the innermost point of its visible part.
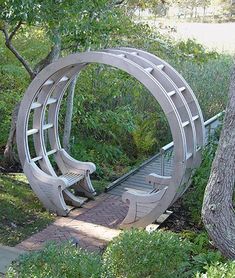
(90, 227)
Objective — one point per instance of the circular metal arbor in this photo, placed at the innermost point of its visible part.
(38, 139)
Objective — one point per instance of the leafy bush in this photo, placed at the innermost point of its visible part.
(219, 270)
(209, 80)
(203, 252)
(57, 261)
(133, 254)
(137, 253)
(193, 198)
(197, 51)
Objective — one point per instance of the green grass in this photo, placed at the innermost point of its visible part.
(21, 212)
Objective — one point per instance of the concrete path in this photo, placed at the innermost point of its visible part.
(7, 256)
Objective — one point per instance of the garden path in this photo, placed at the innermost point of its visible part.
(96, 223)
(7, 255)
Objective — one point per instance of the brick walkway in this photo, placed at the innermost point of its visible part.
(91, 226)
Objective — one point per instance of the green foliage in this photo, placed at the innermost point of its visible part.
(140, 254)
(193, 198)
(219, 270)
(115, 120)
(193, 50)
(57, 261)
(21, 212)
(116, 123)
(203, 253)
(134, 253)
(210, 82)
(160, 254)
(107, 157)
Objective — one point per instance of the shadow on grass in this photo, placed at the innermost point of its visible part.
(21, 212)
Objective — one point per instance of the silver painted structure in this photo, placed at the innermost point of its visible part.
(43, 99)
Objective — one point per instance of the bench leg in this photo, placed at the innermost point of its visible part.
(85, 187)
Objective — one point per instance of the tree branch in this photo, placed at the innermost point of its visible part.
(15, 30)
(13, 49)
(52, 56)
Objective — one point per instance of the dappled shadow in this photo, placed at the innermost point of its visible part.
(91, 227)
(21, 212)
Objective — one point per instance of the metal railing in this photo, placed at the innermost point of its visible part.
(210, 125)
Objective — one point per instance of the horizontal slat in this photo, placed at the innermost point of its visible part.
(35, 159)
(32, 131)
(170, 94)
(72, 178)
(51, 152)
(148, 69)
(184, 124)
(198, 149)
(182, 89)
(136, 191)
(121, 55)
(195, 117)
(189, 155)
(44, 127)
(48, 82)
(138, 186)
(35, 105)
(161, 67)
(64, 78)
(51, 100)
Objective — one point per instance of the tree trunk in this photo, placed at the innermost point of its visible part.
(218, 212)
(9, 154)
(204, 13)
(69, 114)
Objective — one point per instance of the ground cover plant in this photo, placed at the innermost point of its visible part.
(58, 262)
(133, 254)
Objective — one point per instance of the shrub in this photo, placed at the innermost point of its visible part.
(133, 254)
(137, 253)
(57, 261)
(192, 200)
(219, 270)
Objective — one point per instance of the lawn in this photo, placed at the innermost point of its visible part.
(22, 213)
